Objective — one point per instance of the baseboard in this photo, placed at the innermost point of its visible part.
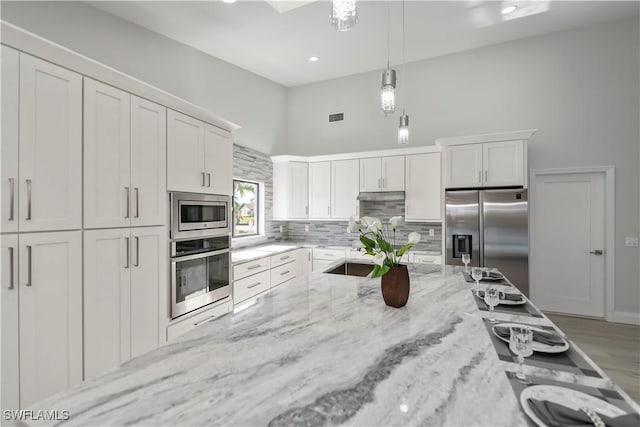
(626, 317)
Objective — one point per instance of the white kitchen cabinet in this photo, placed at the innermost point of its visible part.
(463, 166)
(422, 258)
(185, 153)
(324, 257)
(123, 281)
(50, 147)
(218, 161)
(50, 277)
(250, 286)
(305, 260)
(200, 156)
(10, 142)
(320, 190)
(290, 190)
(10, 315)
(503, 163)
(382, 174)
(422, 187)
(107, 147)
(283, 273)
(345, 188)
(148, 163)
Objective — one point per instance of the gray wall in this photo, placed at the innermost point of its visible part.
(579, 88)
(255, 103)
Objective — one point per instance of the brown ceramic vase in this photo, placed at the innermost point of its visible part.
(395, 286)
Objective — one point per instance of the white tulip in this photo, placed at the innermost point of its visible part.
(371, 224)
(379, 258)
(357, 244)
(414, 238)
(394, 220)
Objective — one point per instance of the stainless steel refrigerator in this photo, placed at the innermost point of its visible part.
(492, 226)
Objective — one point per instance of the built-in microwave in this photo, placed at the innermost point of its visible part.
(199, 215)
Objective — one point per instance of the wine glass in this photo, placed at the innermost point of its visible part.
(476, 274)
(521, 343)
(492, 298)
(466, 259)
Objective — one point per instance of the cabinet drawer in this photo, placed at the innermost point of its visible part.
(354, 253)
(250, 286)
(251, 267)
(283, 273)
(328, 254)
(427, 259)
(282, 258)
(180, 327)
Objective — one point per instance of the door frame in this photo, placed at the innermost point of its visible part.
(609, 227)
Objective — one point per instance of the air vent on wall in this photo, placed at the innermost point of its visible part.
(336, 117)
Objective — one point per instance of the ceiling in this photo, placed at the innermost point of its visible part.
(275, 41)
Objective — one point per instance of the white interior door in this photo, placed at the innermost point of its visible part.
(567, 228)
(10, 338)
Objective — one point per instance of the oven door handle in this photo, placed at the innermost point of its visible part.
(198, 256)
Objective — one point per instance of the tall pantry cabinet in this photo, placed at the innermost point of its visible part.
(42, 269)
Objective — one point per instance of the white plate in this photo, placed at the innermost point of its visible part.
(537, 346)
(565, 396)
(504, 301)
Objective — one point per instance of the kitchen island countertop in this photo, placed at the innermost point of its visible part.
(322, 349)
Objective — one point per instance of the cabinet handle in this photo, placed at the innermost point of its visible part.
(329, 210)
(128, 193)
(208, 180)
(10, 268)
(384, 183)
(479, 176)
(12, 184)
(28, 199)
(208, 319)
(357, 209)
(126, 245)
(202, 173)
(486, 176)
(379, 183)
(137, 263)
(254, 285)
(285, 272)
(29, 252)
(253, 267)
(406, 210)
(306, 210)
(284, 257)
(137, 191)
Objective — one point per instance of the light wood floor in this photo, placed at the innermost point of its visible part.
(615, 347)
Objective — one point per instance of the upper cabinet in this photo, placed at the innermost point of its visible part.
(290, 190)
(423, 192)
(199, 156)
(344, 188)
(10, 144)
(320, 190)
(490, 164)
(50, 147)
(382, 174)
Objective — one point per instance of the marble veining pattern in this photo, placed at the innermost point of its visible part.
(321, 350)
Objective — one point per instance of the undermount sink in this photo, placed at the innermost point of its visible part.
(352, 269)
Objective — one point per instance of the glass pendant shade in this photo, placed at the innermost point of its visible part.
(344, 14)
(403, 130)
(388, 94)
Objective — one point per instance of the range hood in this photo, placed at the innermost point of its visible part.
(383, 196)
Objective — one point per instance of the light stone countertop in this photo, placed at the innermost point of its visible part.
(322, 350)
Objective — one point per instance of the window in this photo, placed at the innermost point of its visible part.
(246, 208)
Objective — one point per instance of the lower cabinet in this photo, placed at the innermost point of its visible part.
(41, 315)
(123, 275)
(244, 289)
(323, 258)
(426, 258)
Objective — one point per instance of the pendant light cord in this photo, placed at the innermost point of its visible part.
(388, 31)
(404, 83)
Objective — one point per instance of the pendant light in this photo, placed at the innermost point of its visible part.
(344, 14)
(388, 87)
(403, 129)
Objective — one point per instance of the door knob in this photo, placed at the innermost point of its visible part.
(597, 252)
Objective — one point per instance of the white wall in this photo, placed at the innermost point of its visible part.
(253, 102)
(579, 88)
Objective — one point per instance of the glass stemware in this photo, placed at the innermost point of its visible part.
(492, 298)
(466, 259)
(521, 344)
(476, 274)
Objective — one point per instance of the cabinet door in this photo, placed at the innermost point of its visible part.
(463, 166)
(50, 314)
(107, 188)
(503, 163)
(393, 173)
(371, 174)
(107, 269)
(10, 337)
(218, 161)
(185, 153)
(345, 178)
(281, 191)
(50, 146)
(148, 163)
(423, 198)
(299, 190)
(320, 190)
(10, 110)
(148, 282)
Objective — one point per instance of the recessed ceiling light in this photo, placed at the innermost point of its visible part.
(509, 9)
(314, 58)
(229, 1)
